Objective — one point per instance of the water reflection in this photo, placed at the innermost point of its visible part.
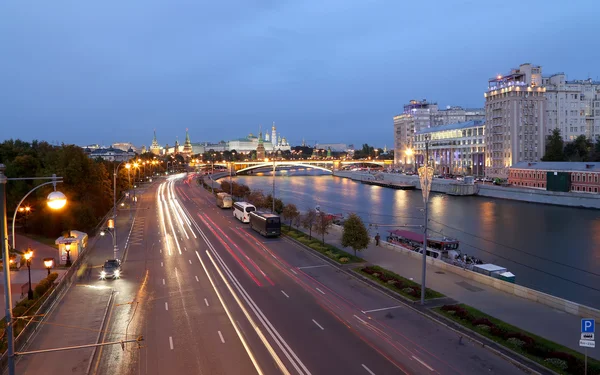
(550, 248)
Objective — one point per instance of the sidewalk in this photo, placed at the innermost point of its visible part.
(542, 320)
(77, 320)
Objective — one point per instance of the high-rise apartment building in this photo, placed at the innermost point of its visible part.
(415, 117)
(515, 109)
(420, 115)
(572, 106)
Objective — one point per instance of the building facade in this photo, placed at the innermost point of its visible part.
(110, 154)
(582, 177)
(515, 108)
(572, 106)
(420, 115)
(415, 117)
(457, 149)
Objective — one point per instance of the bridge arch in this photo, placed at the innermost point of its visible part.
(283, 163)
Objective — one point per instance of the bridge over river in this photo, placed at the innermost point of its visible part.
(326, 165)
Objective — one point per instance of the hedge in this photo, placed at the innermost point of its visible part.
(330, 251)
(397, 283)
(556, 357)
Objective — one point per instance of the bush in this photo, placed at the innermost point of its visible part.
(19, 311)
(42, 287)
(52, 277)
(558, 363)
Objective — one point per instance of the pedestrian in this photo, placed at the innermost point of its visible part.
(377, 237)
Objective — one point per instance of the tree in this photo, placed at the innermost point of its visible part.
(225, 186)
(257, 198)
(322, 225)
(596, 151)
(290, 212)
(355, 233)
(308, 221)
(578, 150)
(554, 147)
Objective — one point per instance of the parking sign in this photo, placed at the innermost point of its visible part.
(588, 326)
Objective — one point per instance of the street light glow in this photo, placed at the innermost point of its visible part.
(56, 200)
(28, 255)
(408, 152)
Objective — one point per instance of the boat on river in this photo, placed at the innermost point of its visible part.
(446, 249)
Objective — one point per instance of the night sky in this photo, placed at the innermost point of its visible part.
(88, 72)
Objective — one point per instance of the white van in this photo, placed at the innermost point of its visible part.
(241, 211)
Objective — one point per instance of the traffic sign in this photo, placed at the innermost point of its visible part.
(587, 343)
(587, 336)
(588, 326)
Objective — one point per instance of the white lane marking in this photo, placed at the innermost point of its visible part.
(368, 370)
(206, 301)
(221, 336)
(285, 294)
(294, 272)
(190, 261)
(306, 267)
(161, 264)
(423, 363)
(197, 279)
(166, 306)
(385, 308)
(360, 319)
(322, 292)
(160, 251)
(318, 325)
(171, 342)
(185, 248)
(163, 281)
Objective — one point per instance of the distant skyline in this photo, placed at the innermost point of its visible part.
(334, 71)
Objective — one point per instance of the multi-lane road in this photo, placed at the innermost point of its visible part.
(212, 297)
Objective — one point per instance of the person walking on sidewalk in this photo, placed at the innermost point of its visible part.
(377, 238)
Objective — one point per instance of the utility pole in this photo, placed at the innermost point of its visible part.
(273, 195)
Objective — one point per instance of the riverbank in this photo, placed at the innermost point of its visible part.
(452, 187)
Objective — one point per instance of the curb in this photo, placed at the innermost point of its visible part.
(433, 316)
(93, 355)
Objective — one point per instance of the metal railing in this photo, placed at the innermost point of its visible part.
(53, 296)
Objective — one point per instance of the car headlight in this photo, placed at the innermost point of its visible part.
(103, 274)
(117, 273)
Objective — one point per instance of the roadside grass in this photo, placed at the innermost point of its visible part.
(330, 251)
(397, 283)
(549, 354)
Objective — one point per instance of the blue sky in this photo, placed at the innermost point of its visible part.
(329, 71)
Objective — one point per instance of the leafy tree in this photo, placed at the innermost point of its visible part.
(578, 150)
(308, 221)
(290, 212)
(257, 198)
(554, 147)
(225, 186)
(355, 234)
(596, 150)
(322, 225)
(278, 204)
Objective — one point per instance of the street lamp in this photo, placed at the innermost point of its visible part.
(48, 263)
(407, 154)
(425, 177)
(68, 250)
(56, 200)
(28, 255)
(127, 165)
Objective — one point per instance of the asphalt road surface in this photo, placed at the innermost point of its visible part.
(210, 296)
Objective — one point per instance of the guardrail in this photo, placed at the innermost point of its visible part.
(54, 295)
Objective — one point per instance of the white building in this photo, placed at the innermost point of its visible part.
(515, 108)
(454, 148)
(572, 106)
(110, 154)
(420, 115)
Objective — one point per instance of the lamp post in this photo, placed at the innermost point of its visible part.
(56, 200)
(273, 194)
(407, 154)
(28, 255)
(68, 250)
(425, 177)
(115, 247)
(48, 263)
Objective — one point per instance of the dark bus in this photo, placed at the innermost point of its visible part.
(268, 225)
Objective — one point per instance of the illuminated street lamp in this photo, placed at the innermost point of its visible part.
(48, 263)
(68, 250)
(56, 200)
(425, 177)
(28, 255)
(407, 154)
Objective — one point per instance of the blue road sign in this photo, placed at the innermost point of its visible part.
(588, 326)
